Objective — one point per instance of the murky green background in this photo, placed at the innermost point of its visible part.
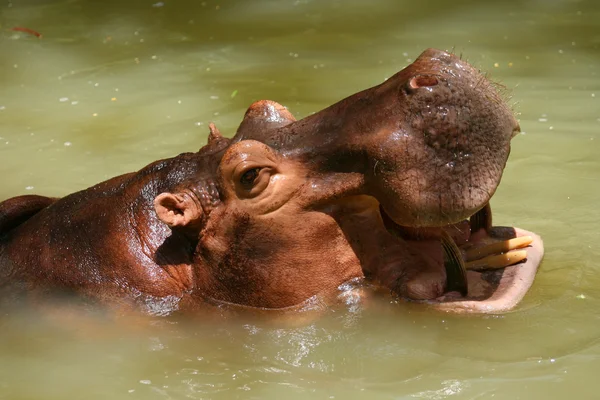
(115, 84)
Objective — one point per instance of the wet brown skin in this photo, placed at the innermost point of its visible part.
(285, 211)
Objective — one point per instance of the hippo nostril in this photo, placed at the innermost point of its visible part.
(422, 81)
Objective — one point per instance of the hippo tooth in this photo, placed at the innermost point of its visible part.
(498, 261)
(504, 246)
(456, 272)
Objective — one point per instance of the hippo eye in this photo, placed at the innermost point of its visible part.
(247, 179)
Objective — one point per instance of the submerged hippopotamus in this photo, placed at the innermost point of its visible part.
(377, 186)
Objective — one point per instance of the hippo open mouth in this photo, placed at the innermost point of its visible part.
(488, 269)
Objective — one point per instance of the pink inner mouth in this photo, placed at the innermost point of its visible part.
(486, 291)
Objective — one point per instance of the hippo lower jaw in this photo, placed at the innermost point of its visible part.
(489, 283)
(499, 290)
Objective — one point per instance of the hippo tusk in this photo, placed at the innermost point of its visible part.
(498, 261)
(456, 271)
(481, 258)
(477, 254)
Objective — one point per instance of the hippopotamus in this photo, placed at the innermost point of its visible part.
(390, 185)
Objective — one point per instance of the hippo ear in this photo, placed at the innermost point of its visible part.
(214, 133)
(177, 210)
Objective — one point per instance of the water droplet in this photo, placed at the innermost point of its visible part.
(145, 381)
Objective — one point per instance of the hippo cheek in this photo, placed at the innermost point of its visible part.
(276, 261)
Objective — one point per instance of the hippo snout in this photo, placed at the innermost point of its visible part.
(443, 140)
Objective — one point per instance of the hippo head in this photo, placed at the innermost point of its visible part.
(431, 142)
(287, 210)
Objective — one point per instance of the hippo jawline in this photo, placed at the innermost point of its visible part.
(492, 290)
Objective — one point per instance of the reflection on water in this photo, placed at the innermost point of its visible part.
(114, 85)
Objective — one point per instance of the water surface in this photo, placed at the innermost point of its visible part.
(114, 85)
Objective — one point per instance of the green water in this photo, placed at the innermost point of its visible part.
(114, 85)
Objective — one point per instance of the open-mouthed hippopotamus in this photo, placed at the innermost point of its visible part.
(379, 185)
